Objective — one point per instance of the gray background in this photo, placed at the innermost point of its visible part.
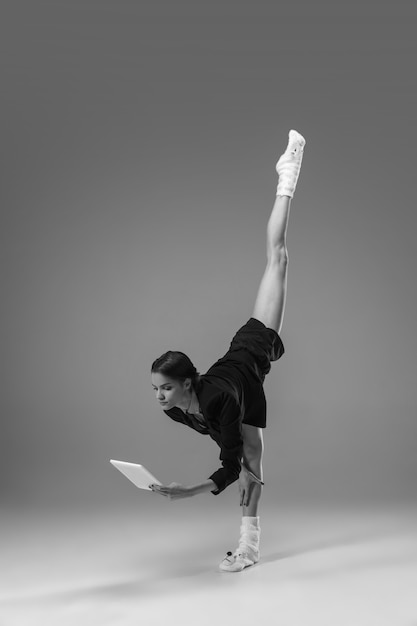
(138, 148)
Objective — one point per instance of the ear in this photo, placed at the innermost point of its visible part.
(187, 384)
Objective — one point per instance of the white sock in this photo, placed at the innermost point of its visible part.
(250, 532)
(247, 553)
(289, 164)
(250, 521)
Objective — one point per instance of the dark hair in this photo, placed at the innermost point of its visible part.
(177, 366)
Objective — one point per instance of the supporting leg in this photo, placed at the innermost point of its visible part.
(247, 552)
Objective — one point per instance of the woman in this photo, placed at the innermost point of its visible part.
(228, 402)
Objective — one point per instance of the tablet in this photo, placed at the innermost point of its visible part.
(138, 474)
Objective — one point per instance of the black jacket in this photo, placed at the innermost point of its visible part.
(223, 415)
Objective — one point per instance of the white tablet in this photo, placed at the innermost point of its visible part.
(138, 474)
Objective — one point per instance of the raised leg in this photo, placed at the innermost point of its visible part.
(270, 301)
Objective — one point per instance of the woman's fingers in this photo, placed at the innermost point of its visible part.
(249, 492)
(246, 485)
(243, 486)
(159, 489)
(174, 491)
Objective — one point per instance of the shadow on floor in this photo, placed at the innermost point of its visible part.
(155, 574)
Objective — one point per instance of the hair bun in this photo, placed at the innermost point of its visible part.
(177, 366)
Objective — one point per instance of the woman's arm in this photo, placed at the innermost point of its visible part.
(175, 491)
(207, 485)
(230, 442)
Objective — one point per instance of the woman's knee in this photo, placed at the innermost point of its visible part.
(277, 256)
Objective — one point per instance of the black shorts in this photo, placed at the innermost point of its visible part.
(245, 366)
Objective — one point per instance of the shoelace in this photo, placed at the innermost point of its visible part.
(235, 554)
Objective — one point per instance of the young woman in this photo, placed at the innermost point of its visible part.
(228, 402)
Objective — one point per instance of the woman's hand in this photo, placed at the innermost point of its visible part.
(246, 484)
(174, 491)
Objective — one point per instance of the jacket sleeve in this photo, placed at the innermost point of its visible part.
(231, 443)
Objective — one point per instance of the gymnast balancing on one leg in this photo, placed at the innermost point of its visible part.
(228, 402)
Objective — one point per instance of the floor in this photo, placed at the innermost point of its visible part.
(335, 566)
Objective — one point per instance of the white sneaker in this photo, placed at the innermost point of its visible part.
(296, 143)
(238, 561)
(289, 164)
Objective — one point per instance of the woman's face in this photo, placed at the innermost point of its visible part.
(169, 392)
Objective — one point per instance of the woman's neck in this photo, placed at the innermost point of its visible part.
(190, 403)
